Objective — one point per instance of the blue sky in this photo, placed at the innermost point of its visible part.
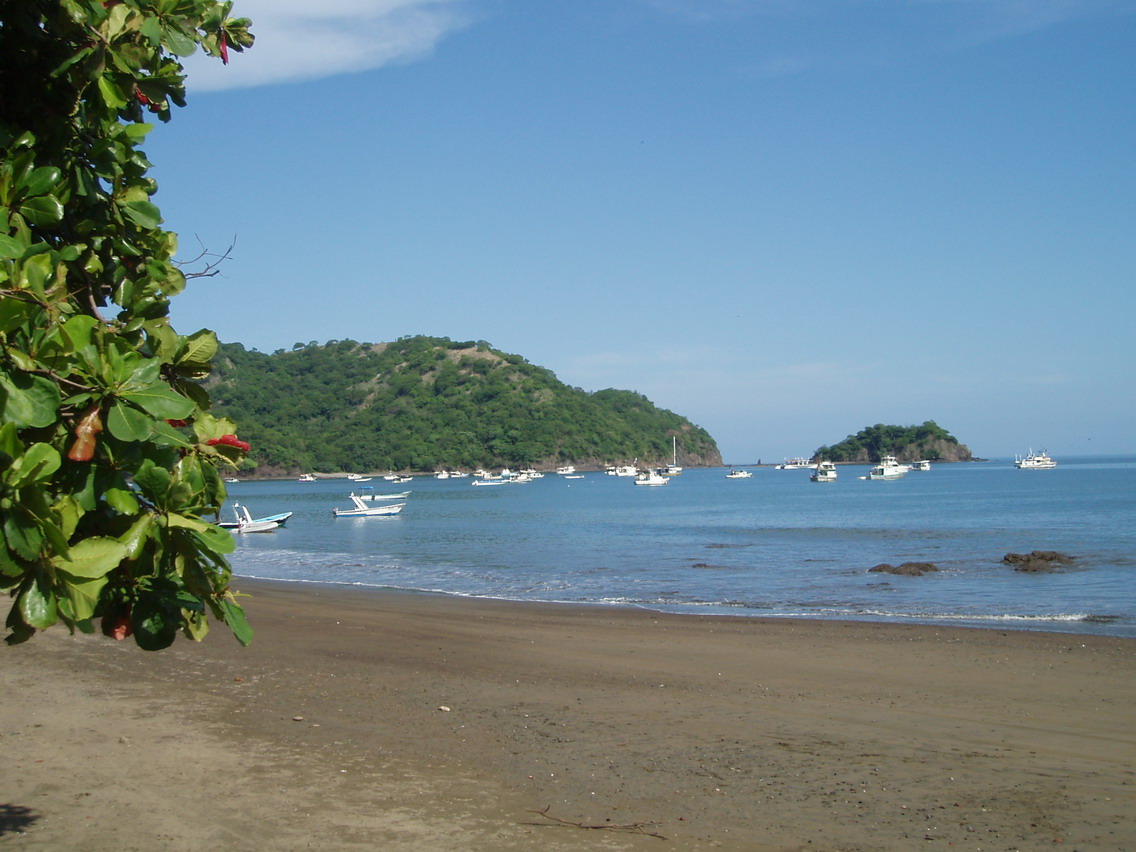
(785, 220)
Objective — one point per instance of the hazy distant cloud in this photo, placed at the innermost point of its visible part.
(302, 40)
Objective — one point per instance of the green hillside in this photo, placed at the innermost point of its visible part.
(424, 403)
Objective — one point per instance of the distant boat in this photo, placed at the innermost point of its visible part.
(494, 481)
(307, 477)
(1035, 461)
(362, 510)
(922, 464)
(651, 477)
(673, 469)
(566, 470)
(368, 493)
(738, 474)
(231, 479)
(825, 472)
(798, 463)
(623, 470)
(888, 468)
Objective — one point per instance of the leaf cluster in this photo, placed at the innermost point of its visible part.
(425, 403)
(108, 455)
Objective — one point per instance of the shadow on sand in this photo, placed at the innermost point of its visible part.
(15, 818)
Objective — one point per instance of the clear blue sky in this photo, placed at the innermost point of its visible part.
(784, 219)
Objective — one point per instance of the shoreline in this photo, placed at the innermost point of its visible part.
(1015, 623)
(363, 718)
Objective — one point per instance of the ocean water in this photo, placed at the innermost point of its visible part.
(772, 545)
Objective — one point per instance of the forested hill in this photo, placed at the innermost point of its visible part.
(425, 403)
(929, 441)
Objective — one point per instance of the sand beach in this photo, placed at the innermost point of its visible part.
(374, 720)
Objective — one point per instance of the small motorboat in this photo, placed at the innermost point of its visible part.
(362, 510)
(243, 520)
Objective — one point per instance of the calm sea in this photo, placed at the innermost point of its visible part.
(772, 545)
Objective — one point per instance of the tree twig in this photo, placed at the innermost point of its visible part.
(632, 827)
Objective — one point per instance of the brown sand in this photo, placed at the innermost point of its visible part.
(331, 732)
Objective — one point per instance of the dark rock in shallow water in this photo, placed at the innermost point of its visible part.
(1037, 561)
(907, 569)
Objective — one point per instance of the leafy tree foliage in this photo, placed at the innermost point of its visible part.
(109, 459)
(423, 403)
(907, 443)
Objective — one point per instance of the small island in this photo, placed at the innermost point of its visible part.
(927, 442)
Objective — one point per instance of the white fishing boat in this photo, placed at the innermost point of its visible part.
(921, 464)
(651, 477)
(888, 468)
(566, 470)
(362, 510)
(738, 474)
(442, 474)
(825, 472)
(493, 481)
(306, 477)
(246, 523)
(1035, 461)
(623, 470)
(798, 463)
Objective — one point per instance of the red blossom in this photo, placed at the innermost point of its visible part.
(224, 48)
(230, 441)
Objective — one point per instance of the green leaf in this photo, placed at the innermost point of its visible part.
(112, 95)
(83, 596)
(144, 214)
(154, 482)
(199, 348)
(39, 462)
(42, 210)
(160, 401)
(216, 539)
(37, 606)
(177, 42)
(15, 312)
(10, 247)
(235, 618)
(41, 181)
(122, 500)
(134, 539)
(155, 623)
(28, 400)
(92, 557)
(128, 423)
(23, 533)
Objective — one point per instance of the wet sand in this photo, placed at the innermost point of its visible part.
(373, 720)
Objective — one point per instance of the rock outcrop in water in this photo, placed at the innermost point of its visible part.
(906, 569)
(1037, 561)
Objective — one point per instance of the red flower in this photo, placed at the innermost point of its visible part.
(178, 423)
(224, 48)
(230, 441)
